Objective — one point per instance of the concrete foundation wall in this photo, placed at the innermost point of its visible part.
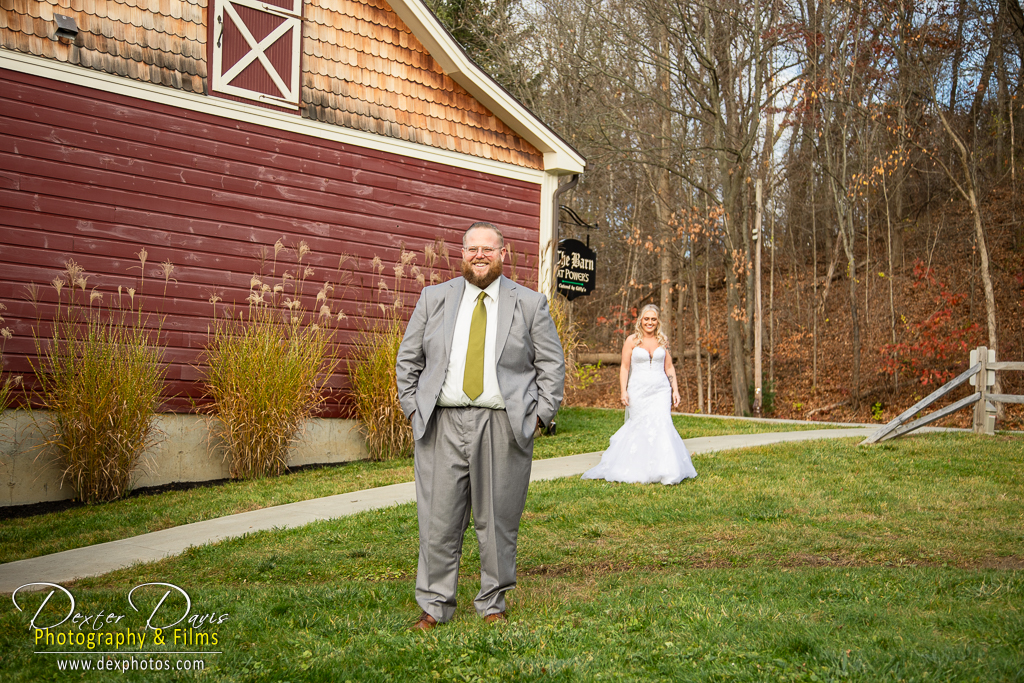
(186, 452)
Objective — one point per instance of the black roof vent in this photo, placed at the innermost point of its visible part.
(66, 28)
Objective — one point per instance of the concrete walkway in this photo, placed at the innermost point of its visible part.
(99, 559)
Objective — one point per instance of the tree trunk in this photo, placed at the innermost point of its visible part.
(814, 294)
(667, 236)
(986, 281)
(847, 236)
(969, 191)
(696, 325)
(958, 55)
(736, 327)
(680, 307)
(855, 334)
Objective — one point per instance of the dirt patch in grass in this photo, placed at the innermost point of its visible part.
(1012, 563)
(703, 561)
(793, 561)
(602, 568)
(817, 560)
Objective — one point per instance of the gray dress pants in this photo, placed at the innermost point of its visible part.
(468, 459)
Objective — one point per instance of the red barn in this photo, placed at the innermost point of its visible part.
(180, 140)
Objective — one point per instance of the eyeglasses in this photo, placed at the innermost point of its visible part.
(486, 251)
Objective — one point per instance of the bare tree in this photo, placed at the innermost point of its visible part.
(670, 101)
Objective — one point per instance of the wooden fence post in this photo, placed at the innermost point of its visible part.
(989, 378)
(979, 355)
(984, 417)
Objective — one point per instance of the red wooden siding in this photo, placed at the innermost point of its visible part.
(95, 178)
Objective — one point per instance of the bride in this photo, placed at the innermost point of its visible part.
(647, 448)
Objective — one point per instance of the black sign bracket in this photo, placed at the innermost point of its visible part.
(576, 221)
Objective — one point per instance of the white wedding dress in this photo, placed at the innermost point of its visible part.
(647, 449)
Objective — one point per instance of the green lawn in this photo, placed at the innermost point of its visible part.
(813, 561)
(580, 430)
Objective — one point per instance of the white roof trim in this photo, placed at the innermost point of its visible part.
(240, 111)
(559, 156)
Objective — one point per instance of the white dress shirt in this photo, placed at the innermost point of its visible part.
(451, 392)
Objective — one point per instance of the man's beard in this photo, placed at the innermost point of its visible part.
(487, 278)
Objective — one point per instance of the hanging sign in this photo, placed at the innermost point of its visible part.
(577, 267)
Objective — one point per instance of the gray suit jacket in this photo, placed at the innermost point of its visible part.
(530, 362)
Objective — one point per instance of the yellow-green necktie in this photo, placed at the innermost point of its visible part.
(473, 380)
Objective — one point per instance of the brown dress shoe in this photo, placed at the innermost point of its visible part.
(496, 618)
(424, 623)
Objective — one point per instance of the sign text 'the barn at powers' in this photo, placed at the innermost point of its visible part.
(576, 269)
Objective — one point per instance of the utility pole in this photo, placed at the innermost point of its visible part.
(757, 304)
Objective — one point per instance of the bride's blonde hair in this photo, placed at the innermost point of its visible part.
(638, 332)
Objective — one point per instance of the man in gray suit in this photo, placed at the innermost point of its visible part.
(479, 370)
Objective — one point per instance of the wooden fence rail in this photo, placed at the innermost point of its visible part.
(982, 375)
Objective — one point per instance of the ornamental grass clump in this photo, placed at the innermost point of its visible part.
(99, 377)
(8, 384)
(371, 364)
(6, 387)
(375, 391)
(267, 367)
(576, 377)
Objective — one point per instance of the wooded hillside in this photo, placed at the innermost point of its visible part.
(887, 138)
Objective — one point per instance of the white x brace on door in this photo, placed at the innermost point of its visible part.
(257, 50)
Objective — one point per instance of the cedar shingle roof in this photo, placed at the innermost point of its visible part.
(157, 41)
(362, 68)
